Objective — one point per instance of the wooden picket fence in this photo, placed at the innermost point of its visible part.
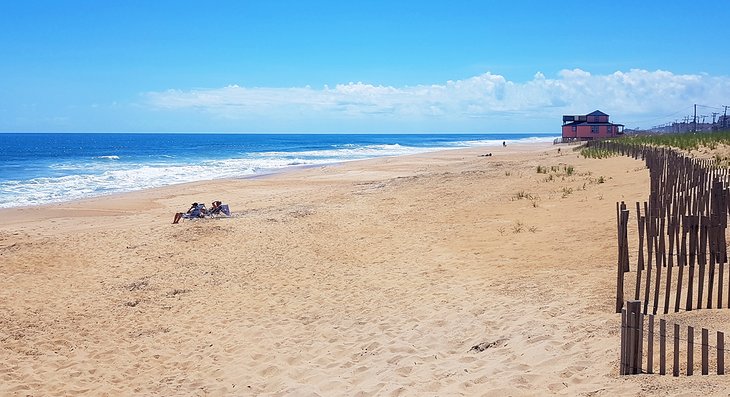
(639, 339)
(680, 229)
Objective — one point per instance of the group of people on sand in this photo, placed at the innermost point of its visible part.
(198, 210)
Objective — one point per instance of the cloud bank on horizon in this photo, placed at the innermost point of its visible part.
(484, 103)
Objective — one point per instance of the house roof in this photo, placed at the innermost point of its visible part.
(587, 123)
(597, 113)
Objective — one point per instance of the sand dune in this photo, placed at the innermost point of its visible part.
(437, 274)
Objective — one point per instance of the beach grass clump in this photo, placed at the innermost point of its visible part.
(601, 179)
(520, 226)
(596, 153)
(556, 171)
(567, 191)
(523, 195)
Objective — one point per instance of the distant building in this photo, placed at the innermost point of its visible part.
(592, 126)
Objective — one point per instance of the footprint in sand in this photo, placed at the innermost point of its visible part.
(270, 371)
(395, 359)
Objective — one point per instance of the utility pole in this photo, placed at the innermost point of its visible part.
(694, 120)
(714, 127)
(724, 119)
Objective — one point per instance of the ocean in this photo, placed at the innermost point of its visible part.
(42, 168)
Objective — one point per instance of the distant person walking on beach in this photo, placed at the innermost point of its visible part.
(504, 144)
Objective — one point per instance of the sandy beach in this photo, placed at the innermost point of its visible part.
(444, 273)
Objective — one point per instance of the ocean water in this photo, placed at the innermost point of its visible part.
(47, 168)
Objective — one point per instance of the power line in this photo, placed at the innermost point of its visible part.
(658, 118)
(710, 107)
(693, 122)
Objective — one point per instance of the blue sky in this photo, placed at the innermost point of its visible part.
(377, 66)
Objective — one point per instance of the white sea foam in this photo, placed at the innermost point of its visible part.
(101, 177)
(78, 186)
(498, 142)
(355, 152)
(44, 190)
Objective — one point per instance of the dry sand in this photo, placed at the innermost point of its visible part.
(365, 278)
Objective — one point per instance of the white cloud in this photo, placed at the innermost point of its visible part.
(632, 95)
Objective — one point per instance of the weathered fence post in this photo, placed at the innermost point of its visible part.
(690, 350)
(623, 362)
(705, 351)
(622, 218)
(650, 347)
(662, 347)
(720, 353)
(633, 337)
(675, 369)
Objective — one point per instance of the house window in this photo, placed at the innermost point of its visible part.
(608, 129)
(573, 129)
(594, 129)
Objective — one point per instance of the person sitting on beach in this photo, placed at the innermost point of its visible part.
(196, 211)
(219, 209)
(215, 208)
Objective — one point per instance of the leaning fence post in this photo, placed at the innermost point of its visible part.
(640, 264)
(622, 224)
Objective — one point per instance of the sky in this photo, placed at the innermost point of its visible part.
(356, 67)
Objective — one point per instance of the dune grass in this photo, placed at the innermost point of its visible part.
(685, 141)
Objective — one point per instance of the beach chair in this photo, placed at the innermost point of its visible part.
(221, 210)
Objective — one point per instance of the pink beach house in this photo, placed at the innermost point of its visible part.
(592, 126)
